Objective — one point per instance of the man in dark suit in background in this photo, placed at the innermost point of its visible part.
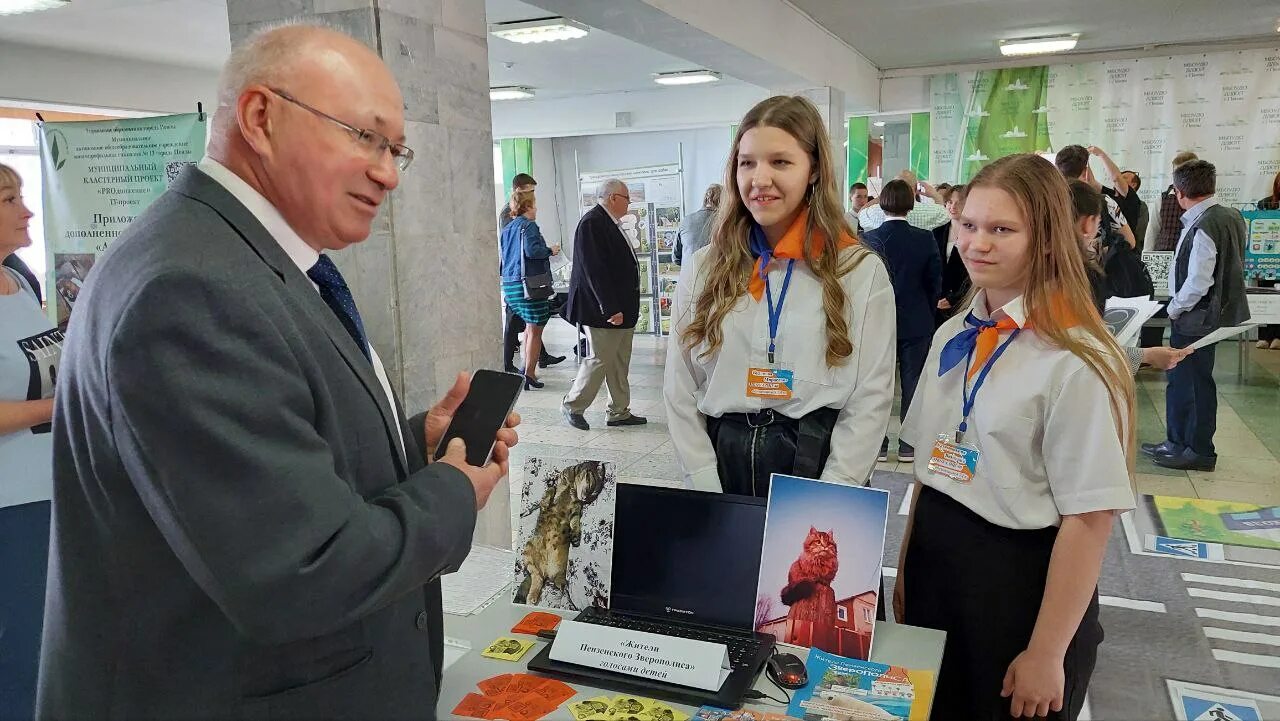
(244, 524)
(604, 296)
(916, 269)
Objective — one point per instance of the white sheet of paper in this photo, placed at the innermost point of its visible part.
(1138, 310)
(1222, 334)
(486, 571)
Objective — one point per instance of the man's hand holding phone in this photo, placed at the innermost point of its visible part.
(483, 478)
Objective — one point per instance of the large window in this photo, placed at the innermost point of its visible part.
(18, 151)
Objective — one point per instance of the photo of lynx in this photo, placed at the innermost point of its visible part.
(566, 533)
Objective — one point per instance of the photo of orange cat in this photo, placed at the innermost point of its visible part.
(820, 565)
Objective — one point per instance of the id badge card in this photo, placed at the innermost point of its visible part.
(957, 461)
(773, 384)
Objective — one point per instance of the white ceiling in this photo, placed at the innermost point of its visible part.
(191, 33)
(916, 33)
(194, 33)
(891, 33)
(599, 63)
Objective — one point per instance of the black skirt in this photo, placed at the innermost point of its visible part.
(983, 585)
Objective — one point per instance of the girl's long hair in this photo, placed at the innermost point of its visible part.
(730, 262)
(1057, 298)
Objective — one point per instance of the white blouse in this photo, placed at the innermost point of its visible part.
(862, 387)
(1042, 422)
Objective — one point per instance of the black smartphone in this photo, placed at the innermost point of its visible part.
(482, 414)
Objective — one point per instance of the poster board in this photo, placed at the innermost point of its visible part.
(650, 225)
(1262, 246)
(98, 176)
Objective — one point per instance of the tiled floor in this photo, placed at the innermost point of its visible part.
(1248, 438)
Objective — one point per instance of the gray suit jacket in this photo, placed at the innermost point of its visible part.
(236, 534)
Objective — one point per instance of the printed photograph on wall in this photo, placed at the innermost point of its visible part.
(70, 272)
(564, 550)
(820, 565)
(668, 218)
(635, 227)
(644, 323)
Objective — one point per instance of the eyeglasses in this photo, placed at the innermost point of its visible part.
(620, 195)
(371, 140)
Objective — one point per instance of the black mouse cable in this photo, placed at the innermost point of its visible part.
(754, 694)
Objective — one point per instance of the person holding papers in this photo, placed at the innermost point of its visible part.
(1206, 285)
(783, 330)
(1027, 407)
(1087, 204)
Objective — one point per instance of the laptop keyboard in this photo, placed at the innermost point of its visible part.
(742, 649)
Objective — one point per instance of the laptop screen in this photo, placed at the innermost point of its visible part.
(686, 555)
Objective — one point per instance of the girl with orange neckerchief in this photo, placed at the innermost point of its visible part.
(781, 356)
(1027, 404)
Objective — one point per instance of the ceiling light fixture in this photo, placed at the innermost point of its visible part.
(879, 123)
(511, 92)
(1041, 45)
(687, 77)
(543, 30)
(13, 7)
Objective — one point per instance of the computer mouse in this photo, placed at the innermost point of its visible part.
(787, 670)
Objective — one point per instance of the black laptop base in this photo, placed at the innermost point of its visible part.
(730, 695)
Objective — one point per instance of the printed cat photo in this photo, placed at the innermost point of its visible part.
(565, 544)
(820, 565)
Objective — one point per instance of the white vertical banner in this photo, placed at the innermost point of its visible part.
(1223, 106)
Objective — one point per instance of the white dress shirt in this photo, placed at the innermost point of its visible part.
(302, 255)
(926, 216)
(1042, 422)
(1204, 257)
(862, 388)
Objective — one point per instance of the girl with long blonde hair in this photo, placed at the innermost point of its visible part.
(1027, 403)
(782, 342)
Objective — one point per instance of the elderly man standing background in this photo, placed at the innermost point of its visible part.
(604, 296)
(245, 526)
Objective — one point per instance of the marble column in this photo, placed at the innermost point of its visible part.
(426, 280)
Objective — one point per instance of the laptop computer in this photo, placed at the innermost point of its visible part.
(685, 563)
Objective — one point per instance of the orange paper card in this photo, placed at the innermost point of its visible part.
(495, 686)
(535, 622)
(523, 683)
(474, 706)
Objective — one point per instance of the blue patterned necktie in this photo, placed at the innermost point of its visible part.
(334, 291)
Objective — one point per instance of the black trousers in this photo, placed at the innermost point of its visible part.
(751, 447)
(1191, 399)
(912, 354)
(515, 325)
(983, 584)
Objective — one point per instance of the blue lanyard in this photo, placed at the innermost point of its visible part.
(775, 313)
(971, 396)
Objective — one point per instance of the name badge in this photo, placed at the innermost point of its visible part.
(957, 461)
(681, 661)
(774, 384)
